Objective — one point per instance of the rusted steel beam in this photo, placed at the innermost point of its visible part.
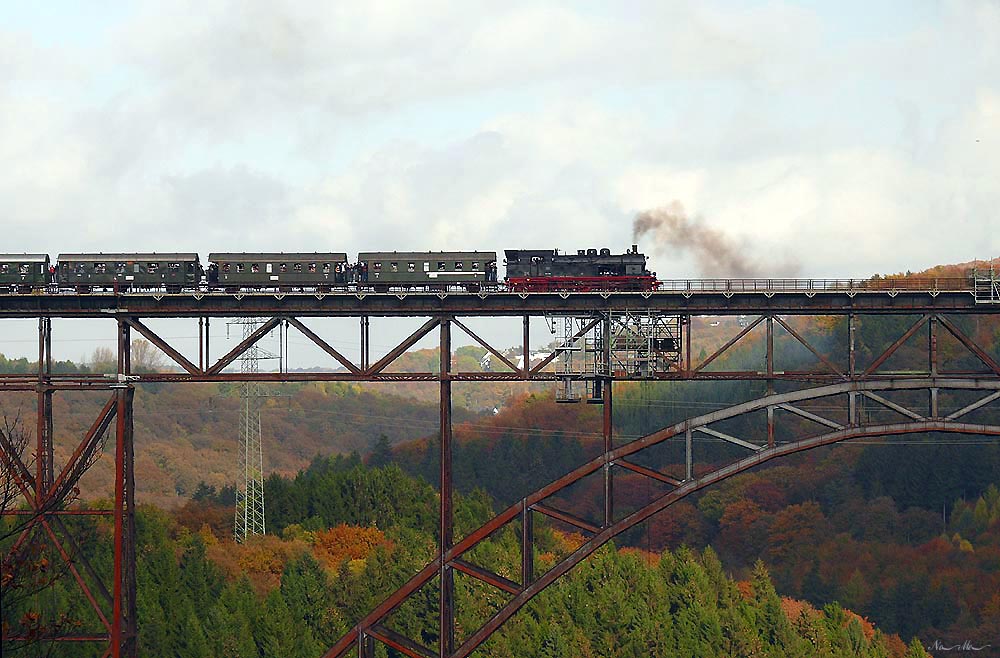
(56, 638)
(525, 347)
(486, 576)
(829, 364)
(606, 431)
(527, 544)
(727, 438)
(73, 469)
(802, 413)
(123, 644)
(238, 351)
(446, 519)
(970, 345)
(566, 517)
(57, 512)
(649, 472)
(489, 348)
(44, 455)
(975, 405)
(18, 471)
(79, 554)
(895, 346)
(397, 351)
(347, 304)
(400, 642)
(76, 575)
(163, 345)
(722, 350)
(323, 345)
(892, 405)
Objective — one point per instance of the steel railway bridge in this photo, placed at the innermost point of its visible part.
(603, 337)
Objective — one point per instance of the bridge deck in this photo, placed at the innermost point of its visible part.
(720, 297)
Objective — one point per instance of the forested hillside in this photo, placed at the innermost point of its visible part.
(293, 595)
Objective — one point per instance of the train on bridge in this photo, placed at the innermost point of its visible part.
(529, 270)
(525, 270)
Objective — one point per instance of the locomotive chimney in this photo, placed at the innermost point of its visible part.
(635, 249)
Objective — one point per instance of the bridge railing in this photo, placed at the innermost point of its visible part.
(948, 284)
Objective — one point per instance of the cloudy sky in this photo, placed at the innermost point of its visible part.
(829, 139)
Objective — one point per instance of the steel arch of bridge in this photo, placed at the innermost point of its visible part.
(373, 628)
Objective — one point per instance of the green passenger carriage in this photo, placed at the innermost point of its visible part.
(278, 270)
(428, 269)
(24, 272)
(120, 271)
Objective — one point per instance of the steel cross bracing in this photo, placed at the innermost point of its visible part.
(624, 337)
(41, 515)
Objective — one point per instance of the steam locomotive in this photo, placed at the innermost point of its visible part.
(537, 270)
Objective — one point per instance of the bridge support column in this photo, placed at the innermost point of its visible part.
(527, 545)
(43, 433)
(851, 357)
(770, 379)
(123, 623)
(364, 343)
(446, 519)
(609, 482)
(770, 426)
(688, 457)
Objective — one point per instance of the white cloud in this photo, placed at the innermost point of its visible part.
(186, 130)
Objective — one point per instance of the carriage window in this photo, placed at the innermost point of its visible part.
(394, 267)
(190, 268)
(79, 268)
(4, 269)
(23, 269)
(326, 268)
(283, 267)
(254, 267)
(152, 267)
(297, 267)
(440, 266)
(458, 266)
(475, 266)
(377, 266)
(411, 267)
(225, 268)
(99, 268)
(239, 267)
(135, 267)
(120, 268)
(312, 267)
(427, 267)
(173, 268)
